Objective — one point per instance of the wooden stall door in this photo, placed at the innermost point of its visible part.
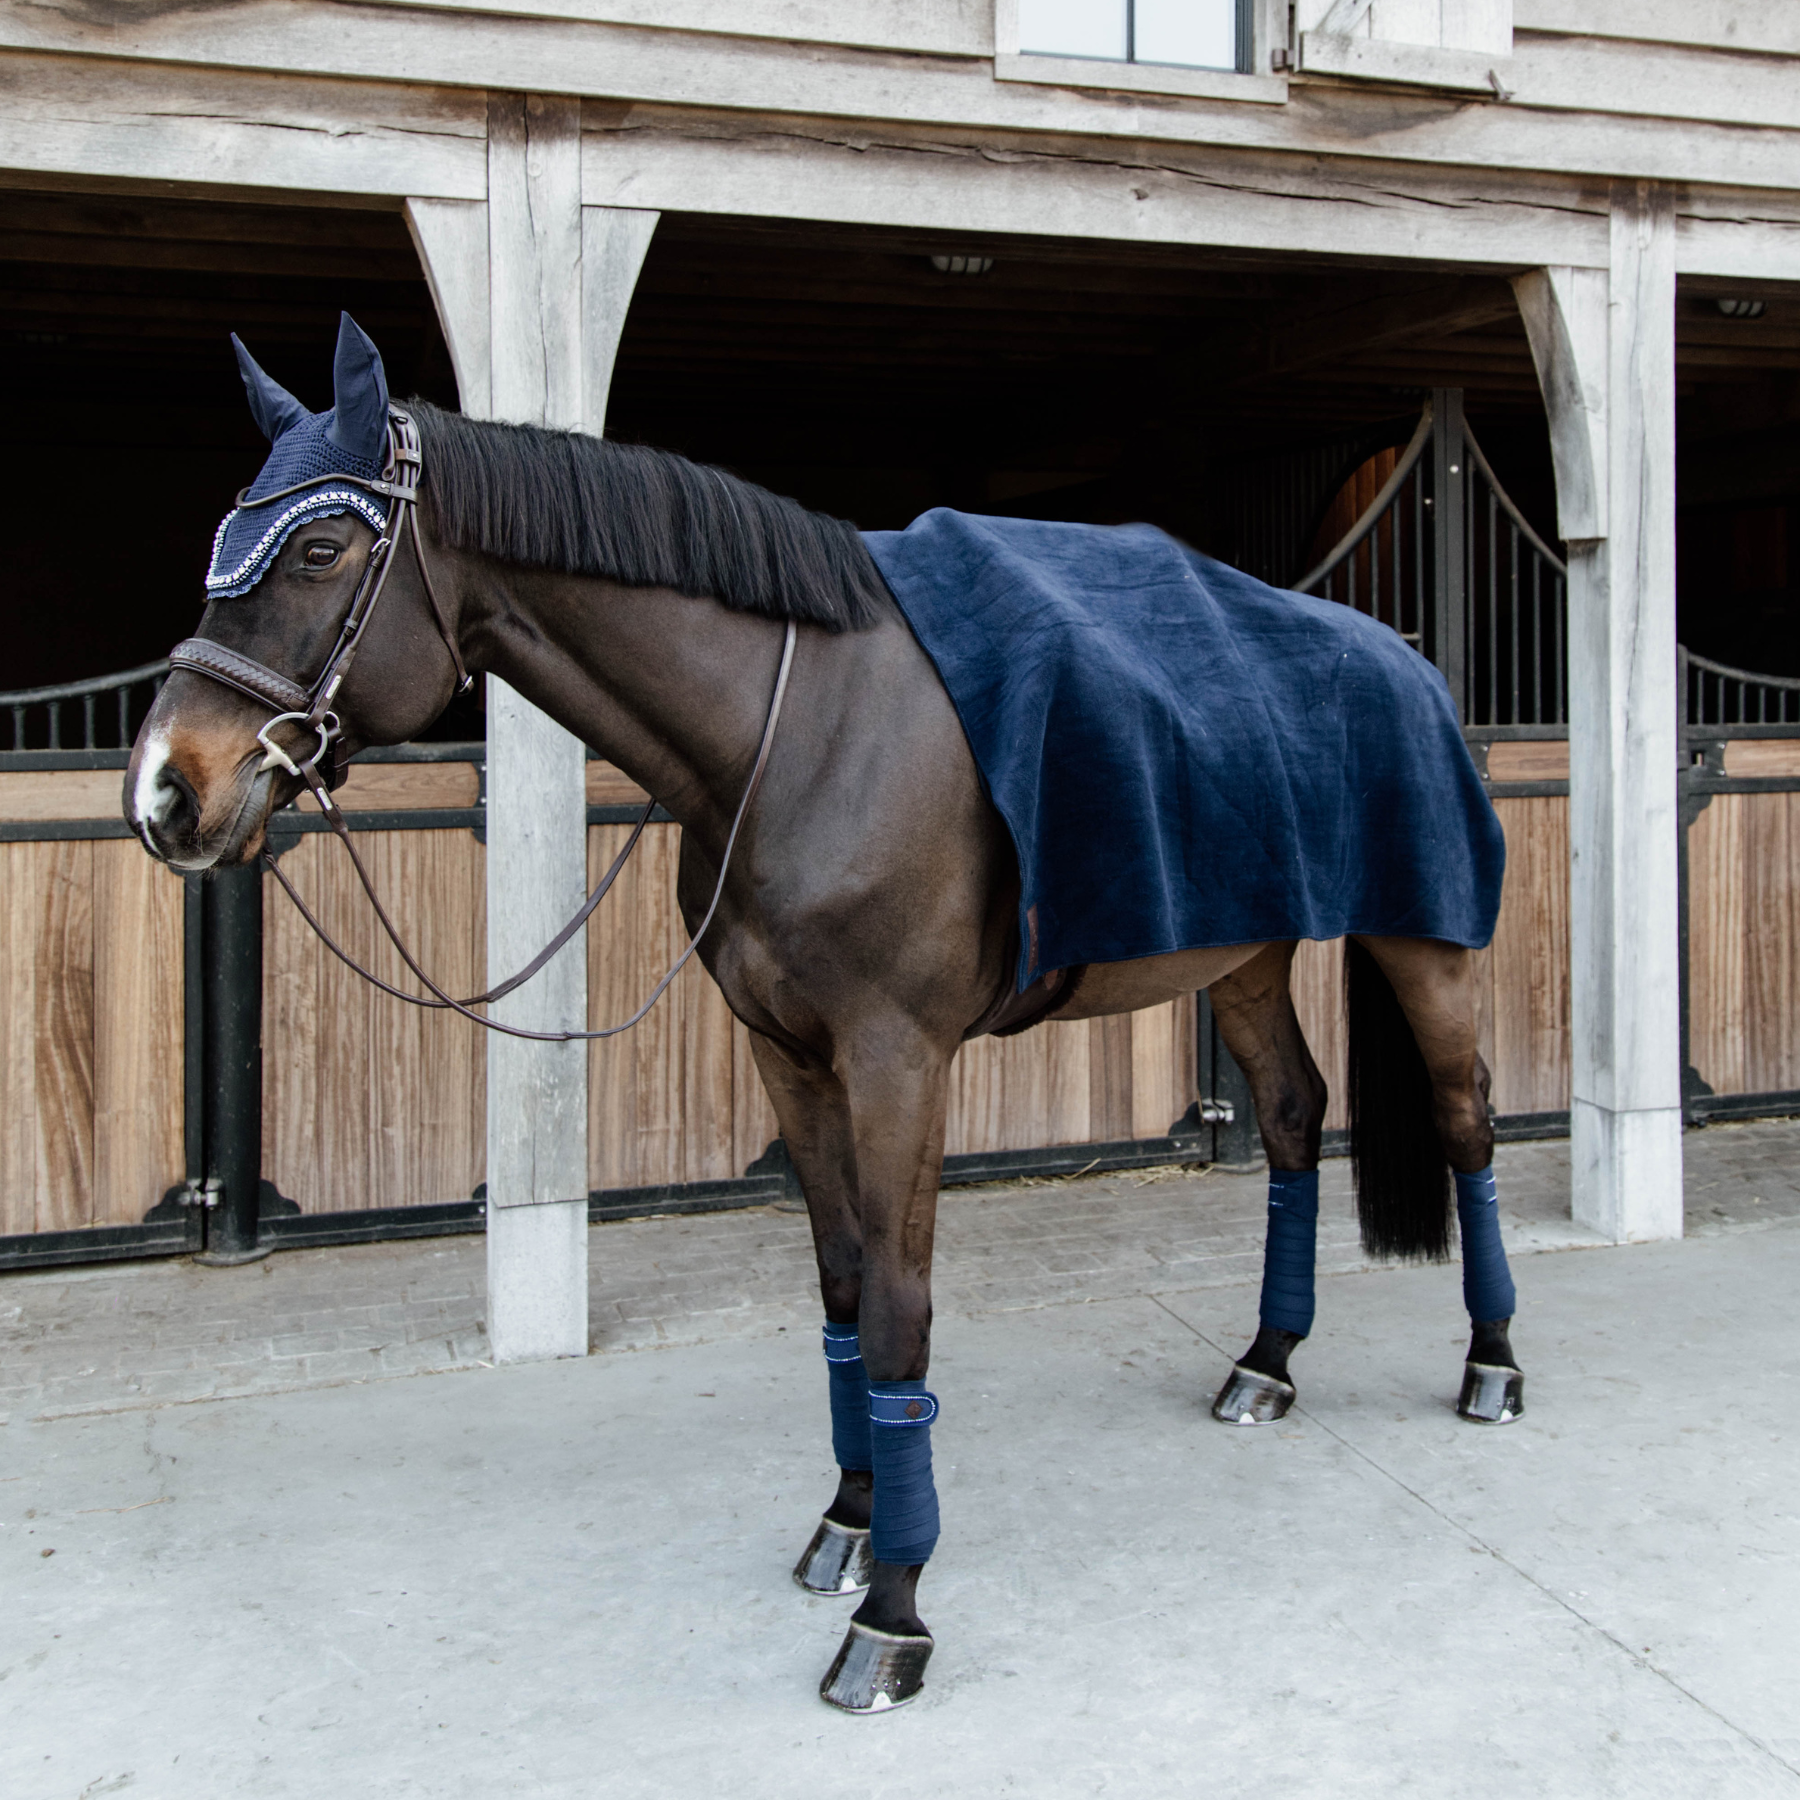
(1523, 976)
(679, 1099)
(1744, 943)
(368, 1102)
(90, 1033)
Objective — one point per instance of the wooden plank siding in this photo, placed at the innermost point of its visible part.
(368, 1102)
(679, 1099)
(1744, 951)
(371, 1104)
(90, 1034)
(1524, 976)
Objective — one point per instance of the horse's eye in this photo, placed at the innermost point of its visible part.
(320, 556)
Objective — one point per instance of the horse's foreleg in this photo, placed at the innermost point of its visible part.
(1435, 985)
(814, 1114)
(897, 1089)
(1255, 1012)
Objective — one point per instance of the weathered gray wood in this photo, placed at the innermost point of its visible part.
(537, 806)
(1604, 342)
(688, 69)
(451, 237)
(941, 27)
(1142, 78)
(614, 241)
(1725, 24)
(211, 128)
(1565, 318)
(1258, 202)
(1667, 81)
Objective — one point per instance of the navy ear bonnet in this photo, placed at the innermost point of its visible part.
(305, 449)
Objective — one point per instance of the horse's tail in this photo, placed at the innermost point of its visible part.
(1402, 1177)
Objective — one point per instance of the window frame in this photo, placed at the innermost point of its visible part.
(1262, 32)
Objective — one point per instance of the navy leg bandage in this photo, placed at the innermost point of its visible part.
(849, 1397)
(904, 1529)
(1287, 1289)
(1488, 1290)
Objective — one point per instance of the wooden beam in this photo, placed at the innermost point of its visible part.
(1604, 343)
(537, 810)
(213, 128)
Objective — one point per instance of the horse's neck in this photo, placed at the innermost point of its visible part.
(674, 691)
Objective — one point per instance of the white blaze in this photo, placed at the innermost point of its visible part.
(152, 796)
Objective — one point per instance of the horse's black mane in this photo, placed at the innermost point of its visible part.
(590, 506)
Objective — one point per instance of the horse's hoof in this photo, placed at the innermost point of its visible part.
(1491, 1395)
(1248, 1398)
(875, 1671)
(837, 1561)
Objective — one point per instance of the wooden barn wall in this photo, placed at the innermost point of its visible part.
(1523, 977)
(679, 1099)
(371, 1104)
(368, 1102)
(1744, 938)
(90, 1033)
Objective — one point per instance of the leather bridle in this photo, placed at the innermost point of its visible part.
(312, 708)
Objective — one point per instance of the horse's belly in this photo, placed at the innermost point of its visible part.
(1148, 981)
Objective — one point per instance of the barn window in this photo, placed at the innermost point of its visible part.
(1193, 34)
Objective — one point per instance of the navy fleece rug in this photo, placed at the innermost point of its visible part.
(1186, 756)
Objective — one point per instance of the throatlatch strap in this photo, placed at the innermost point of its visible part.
(1488, 1289)
(849, 1398)
(1289, 1252)
(904, 1528)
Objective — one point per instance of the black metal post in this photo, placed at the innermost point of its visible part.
(1237, 1143)
(232, 982)
(1449, 544)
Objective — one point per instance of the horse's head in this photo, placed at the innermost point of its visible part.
(291, 563)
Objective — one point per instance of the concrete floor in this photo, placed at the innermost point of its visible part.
(571, 1579)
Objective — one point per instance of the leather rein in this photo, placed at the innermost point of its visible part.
(312, 709)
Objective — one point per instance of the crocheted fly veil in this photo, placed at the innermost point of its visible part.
(306, 450)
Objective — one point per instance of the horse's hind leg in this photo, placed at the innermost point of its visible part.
(1255, 1012)
(1434, 984)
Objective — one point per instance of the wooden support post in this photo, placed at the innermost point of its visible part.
(531, 289)
(1604, 344)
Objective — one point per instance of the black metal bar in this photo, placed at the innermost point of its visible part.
(232, 976)
(1517, 597)
(1559, 613)
(1418, 596)
(193, 1030)
(1493, 608)
(1449, 645)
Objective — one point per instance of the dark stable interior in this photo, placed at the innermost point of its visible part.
(1226, 398)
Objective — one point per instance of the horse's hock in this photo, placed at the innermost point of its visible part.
(773, 298)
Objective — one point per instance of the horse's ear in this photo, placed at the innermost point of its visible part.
(272, 407)
(360, 385)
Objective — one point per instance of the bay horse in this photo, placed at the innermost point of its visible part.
(866, 926)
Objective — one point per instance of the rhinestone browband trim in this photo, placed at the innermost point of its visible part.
(333, 499)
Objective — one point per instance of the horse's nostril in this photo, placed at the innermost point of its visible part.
(174, 808)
